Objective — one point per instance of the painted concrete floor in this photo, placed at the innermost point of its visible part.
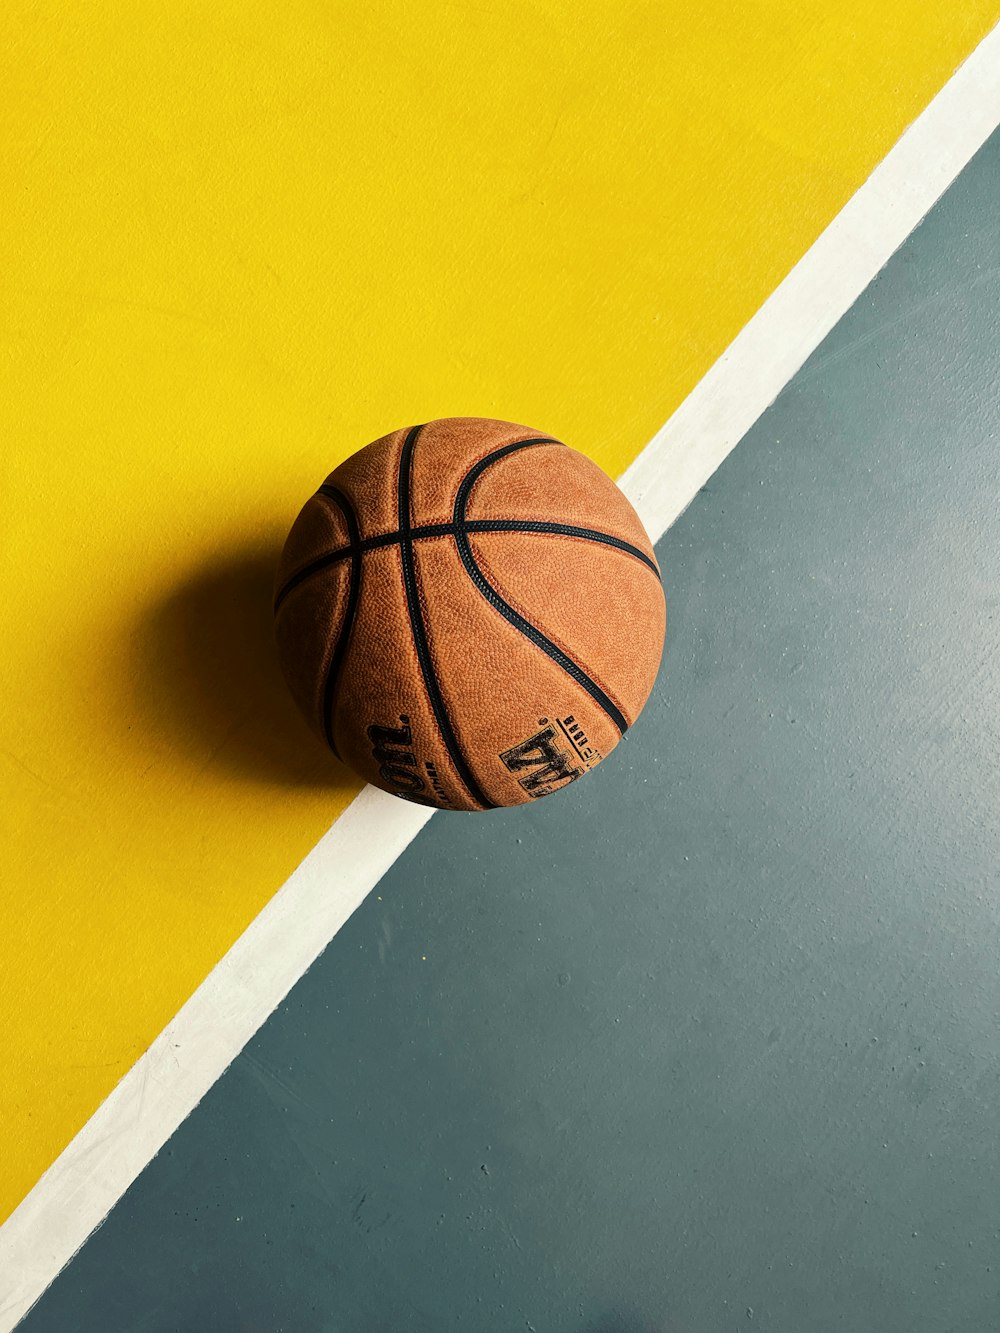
(708, 1041)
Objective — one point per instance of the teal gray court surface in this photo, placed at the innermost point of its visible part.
(708, 1041)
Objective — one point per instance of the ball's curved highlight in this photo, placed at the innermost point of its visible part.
(469, 613)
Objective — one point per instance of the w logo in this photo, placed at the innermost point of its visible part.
(546, 766)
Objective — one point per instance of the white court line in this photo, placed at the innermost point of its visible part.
(163, 1087)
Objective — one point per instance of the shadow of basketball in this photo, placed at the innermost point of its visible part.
(208, 672)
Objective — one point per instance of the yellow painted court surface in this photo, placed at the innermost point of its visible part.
(238, 244)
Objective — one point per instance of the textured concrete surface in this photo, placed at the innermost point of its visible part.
(709, 1041)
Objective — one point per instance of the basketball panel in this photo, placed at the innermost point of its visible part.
(602, 606)
(559, 486)
(503, 693)
(307, 628)
(320, 528)
(446, 450)
(368, 479)
(384, 721)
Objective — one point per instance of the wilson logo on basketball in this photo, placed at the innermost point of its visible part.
(548, 766)
(392, 750)
(539, 763)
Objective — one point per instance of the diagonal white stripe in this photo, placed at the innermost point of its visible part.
(822, 286)
(164, 1086)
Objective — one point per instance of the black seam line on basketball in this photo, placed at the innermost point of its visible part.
(419, 631)
(539, 527)
(477, 469)
(529, 631)
(353, 594)
(314, 567)
(473, 525)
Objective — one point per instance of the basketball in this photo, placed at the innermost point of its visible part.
(469, 613)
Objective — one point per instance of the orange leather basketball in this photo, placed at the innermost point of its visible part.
(469, 613)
